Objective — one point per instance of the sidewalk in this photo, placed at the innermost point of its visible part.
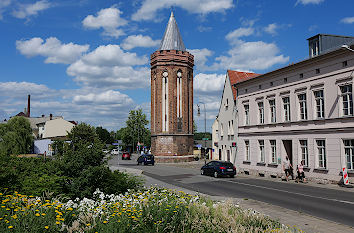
(288, 217)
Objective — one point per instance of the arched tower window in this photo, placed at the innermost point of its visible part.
(179, 100)
(165, 101)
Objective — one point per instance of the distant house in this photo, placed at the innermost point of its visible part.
(56, 129)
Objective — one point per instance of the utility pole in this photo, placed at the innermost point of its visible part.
(204, 128)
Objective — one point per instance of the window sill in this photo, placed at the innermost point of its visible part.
(246, 162)
(321, 170)
(350, 173)
(261, 164)
(307, 169)
(273, 165)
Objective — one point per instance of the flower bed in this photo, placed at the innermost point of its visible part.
(151, 210)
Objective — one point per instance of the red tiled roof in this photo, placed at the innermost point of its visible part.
(237, 76)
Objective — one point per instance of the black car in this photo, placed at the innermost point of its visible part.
(146, 159)
(218, 169)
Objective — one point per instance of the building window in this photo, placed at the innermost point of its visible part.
(303, 106)
(271, 83)
(347, 100)
(247, 150)
(349, 153)
(314, 48)
(345, 63)
(285, 80)
(272, 111)
(260, 86)
(227, 104)
(304, 152)
(321, 153)
(317, 71)
(319, 99)
(261, 112)
(247, 112)
(246, 90)
(286, 103)
(261, 151)
(301, 75)
(273, 150)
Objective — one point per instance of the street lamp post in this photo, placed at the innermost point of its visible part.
(204, 128)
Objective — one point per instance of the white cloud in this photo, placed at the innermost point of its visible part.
(3, 5)
(305, 2)
(208, 83)
(201, 57)
(109, 66)
(348, 20)
(139, 41)
(257, 55)
(271, 28)
(245, 56)
(109, 19)
(233, 37)
(108, 108)
(26, 10)
(149, 8)
(52, 48)
(108, 97)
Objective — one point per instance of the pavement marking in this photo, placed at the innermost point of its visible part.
(301, 194)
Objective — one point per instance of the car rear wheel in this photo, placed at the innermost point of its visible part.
(216, 175)
(202, 172)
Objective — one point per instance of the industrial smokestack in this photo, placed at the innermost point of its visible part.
(29, 106)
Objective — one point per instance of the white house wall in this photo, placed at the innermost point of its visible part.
(333, 128)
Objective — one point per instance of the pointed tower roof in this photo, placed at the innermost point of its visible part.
(172, 39)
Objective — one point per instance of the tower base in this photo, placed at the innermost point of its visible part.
(172, 145)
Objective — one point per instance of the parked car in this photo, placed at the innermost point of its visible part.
(115, 152)
(218, 169)
(126, 155)
(105, 151)
(146, 159)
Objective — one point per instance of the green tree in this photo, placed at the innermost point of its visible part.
(135, 130)
(16, 136)
(104, 135)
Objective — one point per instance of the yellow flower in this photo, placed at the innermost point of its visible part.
(104, 221)
(37, 214)
(57, 222)
(10, 227)
(88, 224)
(70, 208)
(43, 214)
(46, 227)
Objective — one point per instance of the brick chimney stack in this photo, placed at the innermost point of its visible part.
(29, 106)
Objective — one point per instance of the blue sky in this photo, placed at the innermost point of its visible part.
(88, 60)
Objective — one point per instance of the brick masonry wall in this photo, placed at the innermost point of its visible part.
(179, 142)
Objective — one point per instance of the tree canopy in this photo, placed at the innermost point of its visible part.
(104, 135)
(16, 136)
(135, 130)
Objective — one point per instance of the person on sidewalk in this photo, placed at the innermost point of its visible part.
(288, 168)
(300, 172)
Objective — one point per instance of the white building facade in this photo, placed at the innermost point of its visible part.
(303, 111)
(224, 132)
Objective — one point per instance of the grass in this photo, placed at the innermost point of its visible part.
(150, 210)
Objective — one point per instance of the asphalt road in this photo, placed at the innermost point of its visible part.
(331, 204)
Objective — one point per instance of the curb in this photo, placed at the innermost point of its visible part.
(127, 170)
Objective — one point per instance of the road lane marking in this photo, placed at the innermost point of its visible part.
(301, 194)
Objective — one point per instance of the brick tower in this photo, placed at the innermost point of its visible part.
(172, 98)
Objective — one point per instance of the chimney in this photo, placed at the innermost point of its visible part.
(29, 106)
(50, 116)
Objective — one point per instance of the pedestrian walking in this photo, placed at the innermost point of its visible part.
(288, 169)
